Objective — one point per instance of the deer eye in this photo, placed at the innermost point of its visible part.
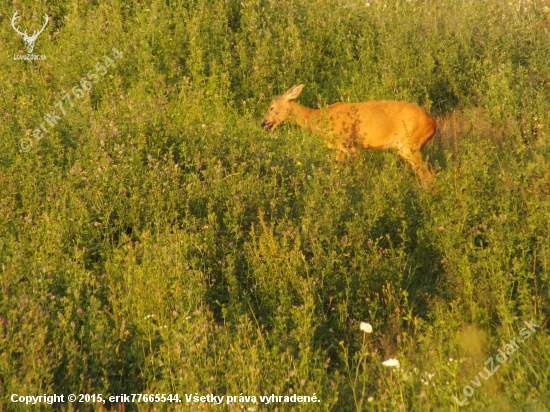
(271, 109)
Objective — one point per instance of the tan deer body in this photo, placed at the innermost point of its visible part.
(403, 127)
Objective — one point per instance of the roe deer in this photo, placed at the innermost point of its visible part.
(403, 127)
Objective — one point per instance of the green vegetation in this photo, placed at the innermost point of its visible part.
(159, 241)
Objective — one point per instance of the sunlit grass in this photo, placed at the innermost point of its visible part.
(159, 241)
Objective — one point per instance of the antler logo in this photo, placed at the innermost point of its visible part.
(30, 40)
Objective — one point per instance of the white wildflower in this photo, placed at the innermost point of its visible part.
(391, 363)
(365, 327)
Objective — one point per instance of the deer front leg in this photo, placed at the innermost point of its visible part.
(334, 142)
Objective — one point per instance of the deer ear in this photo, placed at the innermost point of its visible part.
(293, 92)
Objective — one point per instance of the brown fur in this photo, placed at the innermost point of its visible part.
(403, 127)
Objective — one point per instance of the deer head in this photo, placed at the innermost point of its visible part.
(279, 108)
(30, 40)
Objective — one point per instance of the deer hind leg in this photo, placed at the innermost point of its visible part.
(340, 156)
(414, 158)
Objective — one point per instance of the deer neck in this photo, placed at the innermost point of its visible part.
(303, 116)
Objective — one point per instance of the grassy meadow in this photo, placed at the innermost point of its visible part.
(157, 240)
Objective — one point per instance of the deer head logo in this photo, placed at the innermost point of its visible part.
(30, 40)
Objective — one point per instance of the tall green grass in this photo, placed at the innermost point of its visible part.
(159, 241)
